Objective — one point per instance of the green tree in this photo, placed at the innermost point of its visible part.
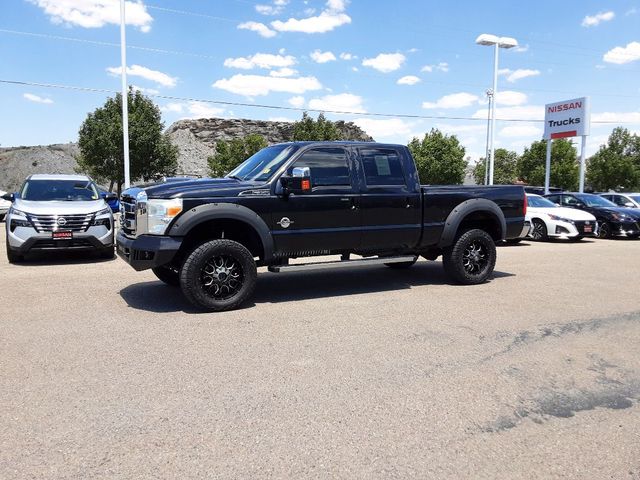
(504, 168)
(101, 144)
(616, 165)
(308, 129)
(232, 153)
(439, 158)
(564, 164)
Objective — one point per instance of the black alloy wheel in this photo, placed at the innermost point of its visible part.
(539, 230)
(218, 275)
(604, 231)
(471, 259)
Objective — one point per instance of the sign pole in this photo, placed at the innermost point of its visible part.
(547, 170)
(583, 149)
(125, 96)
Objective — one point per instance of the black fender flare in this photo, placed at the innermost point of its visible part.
(458, 214)
(224, 211)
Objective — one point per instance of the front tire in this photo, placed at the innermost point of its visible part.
(471, 259)
(219, 275)
(13, 257)
(604, 231)
(539, 230)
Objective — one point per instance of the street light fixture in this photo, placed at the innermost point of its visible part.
(498, 42)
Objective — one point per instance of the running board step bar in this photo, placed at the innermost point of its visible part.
(341, 263)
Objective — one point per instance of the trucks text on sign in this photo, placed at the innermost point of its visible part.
(569, 118)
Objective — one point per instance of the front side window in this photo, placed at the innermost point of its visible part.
(595, 201)
(382, 167)
(61, 190)
(569, 200)
(328, 167)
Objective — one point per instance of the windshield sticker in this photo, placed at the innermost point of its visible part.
(382, 165)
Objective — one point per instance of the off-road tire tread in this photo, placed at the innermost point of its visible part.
(452, 258)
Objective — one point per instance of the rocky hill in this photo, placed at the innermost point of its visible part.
(196, 140)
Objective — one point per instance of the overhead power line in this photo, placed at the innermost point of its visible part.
(285, 108)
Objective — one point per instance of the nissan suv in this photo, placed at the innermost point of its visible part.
(58, 212)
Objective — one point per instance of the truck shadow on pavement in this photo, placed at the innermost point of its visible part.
(292, 286)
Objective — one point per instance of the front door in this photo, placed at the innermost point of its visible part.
(328, 218)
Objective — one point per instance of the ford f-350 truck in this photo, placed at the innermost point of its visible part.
(307, 199)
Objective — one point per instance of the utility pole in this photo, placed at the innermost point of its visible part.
(489, 93)
(125, 95)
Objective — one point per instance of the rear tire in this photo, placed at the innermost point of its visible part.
(218, 275)
(168, 275)
(471, 259)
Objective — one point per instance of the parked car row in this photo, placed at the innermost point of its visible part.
(573, 216)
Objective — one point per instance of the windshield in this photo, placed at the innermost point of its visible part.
(67, 190)
(540, 202)
(595, 201)
(261, 166)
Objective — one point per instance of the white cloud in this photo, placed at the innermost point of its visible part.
(275, 9)
(37, 99)
(597, 19)
(322, 57)
(622, 55)
(385, 62)
(386, 128)
(260, 28)
(95, 13)
(521, 112)
(283, 72)
(193, 109)
(342, 102)
(260, 60)
(454, 100)
(331, 17)
(296, 101)
(408, 80)
(521, 48)
(511, 98)
(457, 129)
(347, 56)
(254, 85)
(523, 130)
(281, 119)
(440, 67)
(148, 91)
(519, 74)
(622, 117)
(143, 72)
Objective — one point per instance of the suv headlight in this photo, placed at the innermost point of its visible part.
(104, 211)
(160, 213)
(15, 211)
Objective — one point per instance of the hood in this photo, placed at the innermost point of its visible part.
(210, 187)
(570, 213)
(58, 207)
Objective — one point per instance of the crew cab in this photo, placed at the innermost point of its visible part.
(307, 199)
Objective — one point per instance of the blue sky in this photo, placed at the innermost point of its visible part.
(403, 57)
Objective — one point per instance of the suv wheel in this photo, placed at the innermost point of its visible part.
(471, 259)
(167, 274)
(218, 275)
(13, 257)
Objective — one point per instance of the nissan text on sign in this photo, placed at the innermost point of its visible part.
(569, 118)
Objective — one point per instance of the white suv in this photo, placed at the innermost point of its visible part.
(58, 212)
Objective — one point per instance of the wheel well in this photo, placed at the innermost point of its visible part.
(483, 220)
(229, 229)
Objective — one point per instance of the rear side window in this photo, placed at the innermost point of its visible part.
(328, 166)
(382, 167)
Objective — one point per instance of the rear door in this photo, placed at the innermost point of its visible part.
(327, 218)
(391, 210)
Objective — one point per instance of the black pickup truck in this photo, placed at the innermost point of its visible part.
(306, 199)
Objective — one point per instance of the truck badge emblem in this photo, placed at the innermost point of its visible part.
(285, 222)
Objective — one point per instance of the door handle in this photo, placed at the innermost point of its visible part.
(407, 202)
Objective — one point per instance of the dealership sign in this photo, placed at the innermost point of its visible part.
(570, 118)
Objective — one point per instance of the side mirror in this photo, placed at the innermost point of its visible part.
(299, 182)
(9, 197)
(110, 197)
(630, 205)
(579, 205)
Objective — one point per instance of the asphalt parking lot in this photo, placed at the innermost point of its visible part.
(366, 373)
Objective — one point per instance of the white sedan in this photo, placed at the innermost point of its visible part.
(550, 220)
(4, 206)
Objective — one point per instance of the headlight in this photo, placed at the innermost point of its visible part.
(19, 213)
(160, 213)
(559, 219)
(621, 217)
(104, 211)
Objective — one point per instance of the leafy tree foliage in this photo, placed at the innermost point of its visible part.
(616, 165)
(308, 129)
(439, 158)
(101, 144)
(564, 164)
(232, 153)
(504, 168)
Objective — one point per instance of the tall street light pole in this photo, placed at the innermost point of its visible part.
(125, 95)
(498, 43)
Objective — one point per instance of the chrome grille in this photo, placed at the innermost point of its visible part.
(128, 215)
(52, 223)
